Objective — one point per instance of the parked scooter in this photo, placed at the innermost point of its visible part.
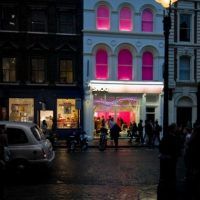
(83, 141)
(72, 142)
(77, 139)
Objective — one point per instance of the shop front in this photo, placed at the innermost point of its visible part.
(123, 109)
(125, 102)
(61, 112)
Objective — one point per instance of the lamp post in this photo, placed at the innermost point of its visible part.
(166, 27)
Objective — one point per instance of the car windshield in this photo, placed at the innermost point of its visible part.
(37, 132)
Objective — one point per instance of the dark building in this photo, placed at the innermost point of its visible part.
(41, 62)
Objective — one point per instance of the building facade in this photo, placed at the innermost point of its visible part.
(123, 56)
(184, 63)
(41, 62)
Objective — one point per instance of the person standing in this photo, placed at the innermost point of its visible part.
(156, 134)
(149, 132)
(140, 132)
(193, 164)
(115, 130)
(170, 149)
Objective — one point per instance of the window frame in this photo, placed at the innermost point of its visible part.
(119, 65)
(149, 66)
(147, 21)
(108, 18)
(4, 21)
(105, 65)
(189, 70)
(73, 21)
(9, 70)
(128, 19)
(45, 20)
(38, 70)
(71, 72)
(191, 26)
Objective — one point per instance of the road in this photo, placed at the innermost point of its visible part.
(129, 173)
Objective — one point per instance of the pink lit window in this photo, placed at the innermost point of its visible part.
(103, 18)
(101, 64)
(147, 66)
(147, 21)
(125, 65)
(125, 23)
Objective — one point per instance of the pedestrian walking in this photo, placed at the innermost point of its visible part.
(140, 132)
(115, 130)
(133, 131)
(170, 149)
(156, 133)
(149, 132)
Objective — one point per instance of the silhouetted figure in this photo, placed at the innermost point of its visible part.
(193, 165)
(149, 132)
(115, 130)
(156, 133)
(140, 132)
(169, 152)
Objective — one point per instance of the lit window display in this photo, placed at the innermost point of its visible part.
(21, 109)
(123, 110)
(47, 115)
(67, 113)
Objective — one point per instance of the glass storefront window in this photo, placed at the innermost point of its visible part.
(21, 109)
(47, 115)
(123, 109)
(67, 113)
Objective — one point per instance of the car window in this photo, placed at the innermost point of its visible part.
(16, 136)
(37, 132)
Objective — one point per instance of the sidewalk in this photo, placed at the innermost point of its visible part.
(94, 143)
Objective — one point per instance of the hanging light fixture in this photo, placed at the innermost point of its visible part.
(166, 3)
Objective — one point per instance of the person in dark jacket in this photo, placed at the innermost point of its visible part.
(114, 131)
(170, 148)
(193, 164)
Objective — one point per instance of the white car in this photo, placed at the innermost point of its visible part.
(27, 145)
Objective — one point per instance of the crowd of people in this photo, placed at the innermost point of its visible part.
(180, 141)
(144, 133)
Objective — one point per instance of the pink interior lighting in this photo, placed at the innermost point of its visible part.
(147, 20)
(147, 66)
(103, 18)
(101, 64)
(125, 19)
(125, 65)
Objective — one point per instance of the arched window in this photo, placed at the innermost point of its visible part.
(184, 68)
(125, 21)
(103, 18)
(147, 66)
(125, 61)
(147, 20)
(101, 64)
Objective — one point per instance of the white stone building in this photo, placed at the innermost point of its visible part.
(184, 62)
(123, 56)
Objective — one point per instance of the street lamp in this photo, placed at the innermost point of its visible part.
(166, 27)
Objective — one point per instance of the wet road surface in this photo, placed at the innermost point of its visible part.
(130, 173)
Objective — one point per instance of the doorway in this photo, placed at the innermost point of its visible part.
(184, 115)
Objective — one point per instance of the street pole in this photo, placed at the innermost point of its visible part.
(166, 28)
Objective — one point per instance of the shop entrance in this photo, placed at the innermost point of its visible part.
(122, 109)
